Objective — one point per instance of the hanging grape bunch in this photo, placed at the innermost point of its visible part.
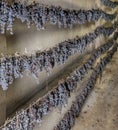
(40, 15)
(109, 3)
(12, 67)
(58, 97)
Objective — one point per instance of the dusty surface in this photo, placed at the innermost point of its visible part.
(100, 111)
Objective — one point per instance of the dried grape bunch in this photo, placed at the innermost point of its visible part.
(108, 17)
(68, 119)
(40, 15)
(12, 67)
(109, 3)
(58, 97)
